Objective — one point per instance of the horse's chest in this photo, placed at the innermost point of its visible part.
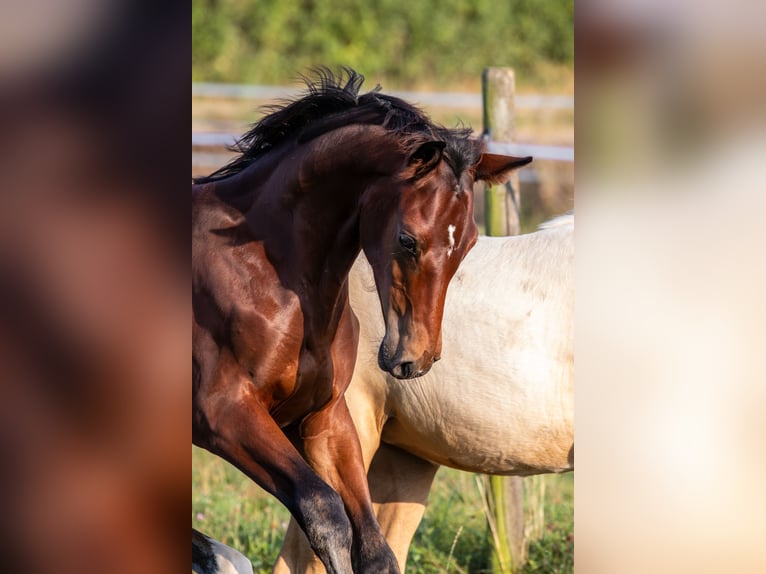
(289, 365)
(289, 379)
(267, 346)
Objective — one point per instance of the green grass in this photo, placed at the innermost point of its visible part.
(231, 508)
(553, 553)
(452, 538)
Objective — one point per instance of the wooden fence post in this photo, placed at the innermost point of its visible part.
(507, 493)
(502, 217)
(502, 202)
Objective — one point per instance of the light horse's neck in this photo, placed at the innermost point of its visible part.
(305, 205)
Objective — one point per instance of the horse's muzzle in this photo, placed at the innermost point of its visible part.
(404, 369)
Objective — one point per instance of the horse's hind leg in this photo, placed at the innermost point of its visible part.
(399, 485)
(242, 432)
(331, 446)
(296, 554)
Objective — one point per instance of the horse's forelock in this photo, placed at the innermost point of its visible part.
(462, 151)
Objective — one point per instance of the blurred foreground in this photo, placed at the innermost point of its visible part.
(670, 320)
(94, 295)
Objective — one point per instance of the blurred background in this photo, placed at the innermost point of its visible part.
(670, 316)
(403, 45)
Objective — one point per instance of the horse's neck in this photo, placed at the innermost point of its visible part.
(305, 207)
(302, 202)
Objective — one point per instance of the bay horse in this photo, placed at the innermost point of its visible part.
(274, 340)
(500, 402)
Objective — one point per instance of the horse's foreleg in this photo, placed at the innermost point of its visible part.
(243, 432)
(399, 485)
(331, 446)
(296, 554)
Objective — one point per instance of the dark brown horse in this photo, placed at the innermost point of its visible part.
(274, 234)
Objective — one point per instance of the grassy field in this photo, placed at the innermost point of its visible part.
(452, 537)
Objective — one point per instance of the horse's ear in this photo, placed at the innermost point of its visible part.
(495, 169)
(426, 157)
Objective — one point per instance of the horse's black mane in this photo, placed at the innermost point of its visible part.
(332, 101)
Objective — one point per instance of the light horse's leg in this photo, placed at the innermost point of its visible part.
(296, 555)
(399, 485)
(241, 431)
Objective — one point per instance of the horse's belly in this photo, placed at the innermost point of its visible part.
(471, 451)
(499, 430)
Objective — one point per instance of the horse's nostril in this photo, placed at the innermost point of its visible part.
(406, 369)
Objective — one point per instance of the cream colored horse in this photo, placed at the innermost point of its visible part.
(500, 402)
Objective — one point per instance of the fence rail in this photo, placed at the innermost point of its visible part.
(435, 99)
(207, 140)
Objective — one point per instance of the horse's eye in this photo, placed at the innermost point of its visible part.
(409, 243)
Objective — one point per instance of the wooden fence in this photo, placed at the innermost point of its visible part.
(427, 99)
(209, 148)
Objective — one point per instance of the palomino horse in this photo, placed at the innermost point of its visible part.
(274, 235)
(501, 401)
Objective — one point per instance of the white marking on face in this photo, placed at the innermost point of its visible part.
(451, 231)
